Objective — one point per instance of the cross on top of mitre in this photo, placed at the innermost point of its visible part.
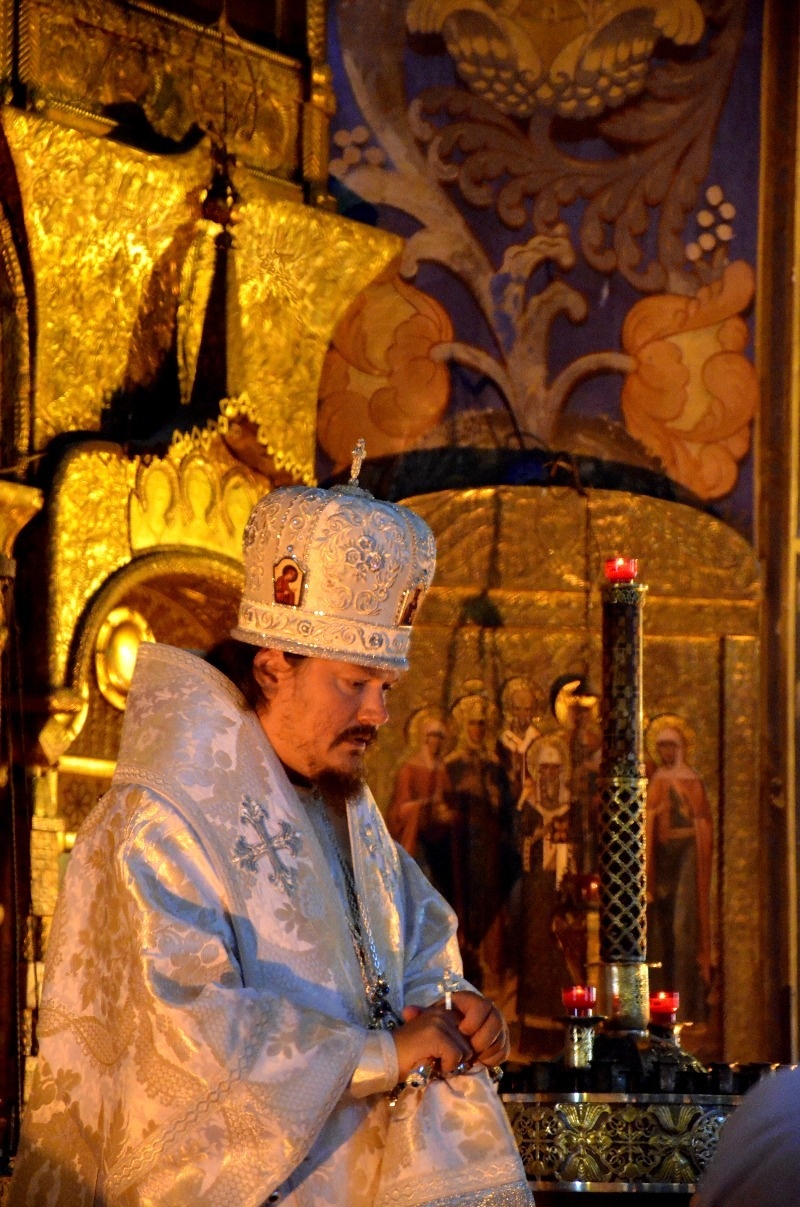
(359, 453)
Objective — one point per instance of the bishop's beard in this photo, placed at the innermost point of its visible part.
(338, 787)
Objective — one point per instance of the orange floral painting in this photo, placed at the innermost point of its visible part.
(379, 380)
(692, 392)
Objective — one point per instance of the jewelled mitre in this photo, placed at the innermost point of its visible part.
(334, 574)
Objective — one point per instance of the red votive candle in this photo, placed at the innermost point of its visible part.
(664, 1007)
(621, 569)
(579, 999)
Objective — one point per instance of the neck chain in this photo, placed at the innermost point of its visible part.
(382, 1015)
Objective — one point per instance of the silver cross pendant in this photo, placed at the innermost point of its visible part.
(247, 854)
(449, 985)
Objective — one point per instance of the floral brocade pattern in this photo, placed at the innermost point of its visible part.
(371, 549)
(199, 1028)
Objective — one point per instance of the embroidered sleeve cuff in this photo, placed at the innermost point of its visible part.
(377, 1070)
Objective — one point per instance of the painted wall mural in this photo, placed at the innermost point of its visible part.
(577, 183)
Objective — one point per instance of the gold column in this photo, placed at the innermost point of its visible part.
(18, 504)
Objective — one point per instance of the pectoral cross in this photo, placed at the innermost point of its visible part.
(359, 453)
(246, 854)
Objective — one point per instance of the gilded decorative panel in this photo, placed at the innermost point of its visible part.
(100, 59)
(745, 865)
(107, 509)
(109, 228)
(299, 269)
(606, 1142)
(100, 217)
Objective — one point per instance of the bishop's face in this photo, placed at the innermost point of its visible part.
(321, 714)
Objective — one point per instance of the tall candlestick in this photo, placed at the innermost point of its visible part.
(622, 785)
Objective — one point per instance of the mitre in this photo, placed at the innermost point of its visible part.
(334, 574)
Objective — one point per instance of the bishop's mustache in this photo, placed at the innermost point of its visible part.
(358, 733)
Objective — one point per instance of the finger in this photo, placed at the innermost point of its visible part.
(497, 1054)
(475, 1011)
(439, 1007)
(454, 1047)
(431, 1036)
(489, 1033)
(411, 1012)
(495, 1046)
(454, 1057)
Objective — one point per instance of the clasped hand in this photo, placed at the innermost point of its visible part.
(473, 1031)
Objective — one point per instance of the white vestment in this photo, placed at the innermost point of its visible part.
(204, 1012)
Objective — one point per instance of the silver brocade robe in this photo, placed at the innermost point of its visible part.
(202, 1019)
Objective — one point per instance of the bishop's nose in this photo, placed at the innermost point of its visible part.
(372, 708)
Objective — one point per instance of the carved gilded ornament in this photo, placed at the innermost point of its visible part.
(196, 495)
(319, 108)
(316, 26)
(109, 230)
(15, 348)
(18, 505)
(7, 22)
(612, 1140)
(84, 59)
(107, 510)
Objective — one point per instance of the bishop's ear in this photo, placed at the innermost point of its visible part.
(270, 667)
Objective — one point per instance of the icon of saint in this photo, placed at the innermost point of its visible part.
(680, 836)
(419, 815)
